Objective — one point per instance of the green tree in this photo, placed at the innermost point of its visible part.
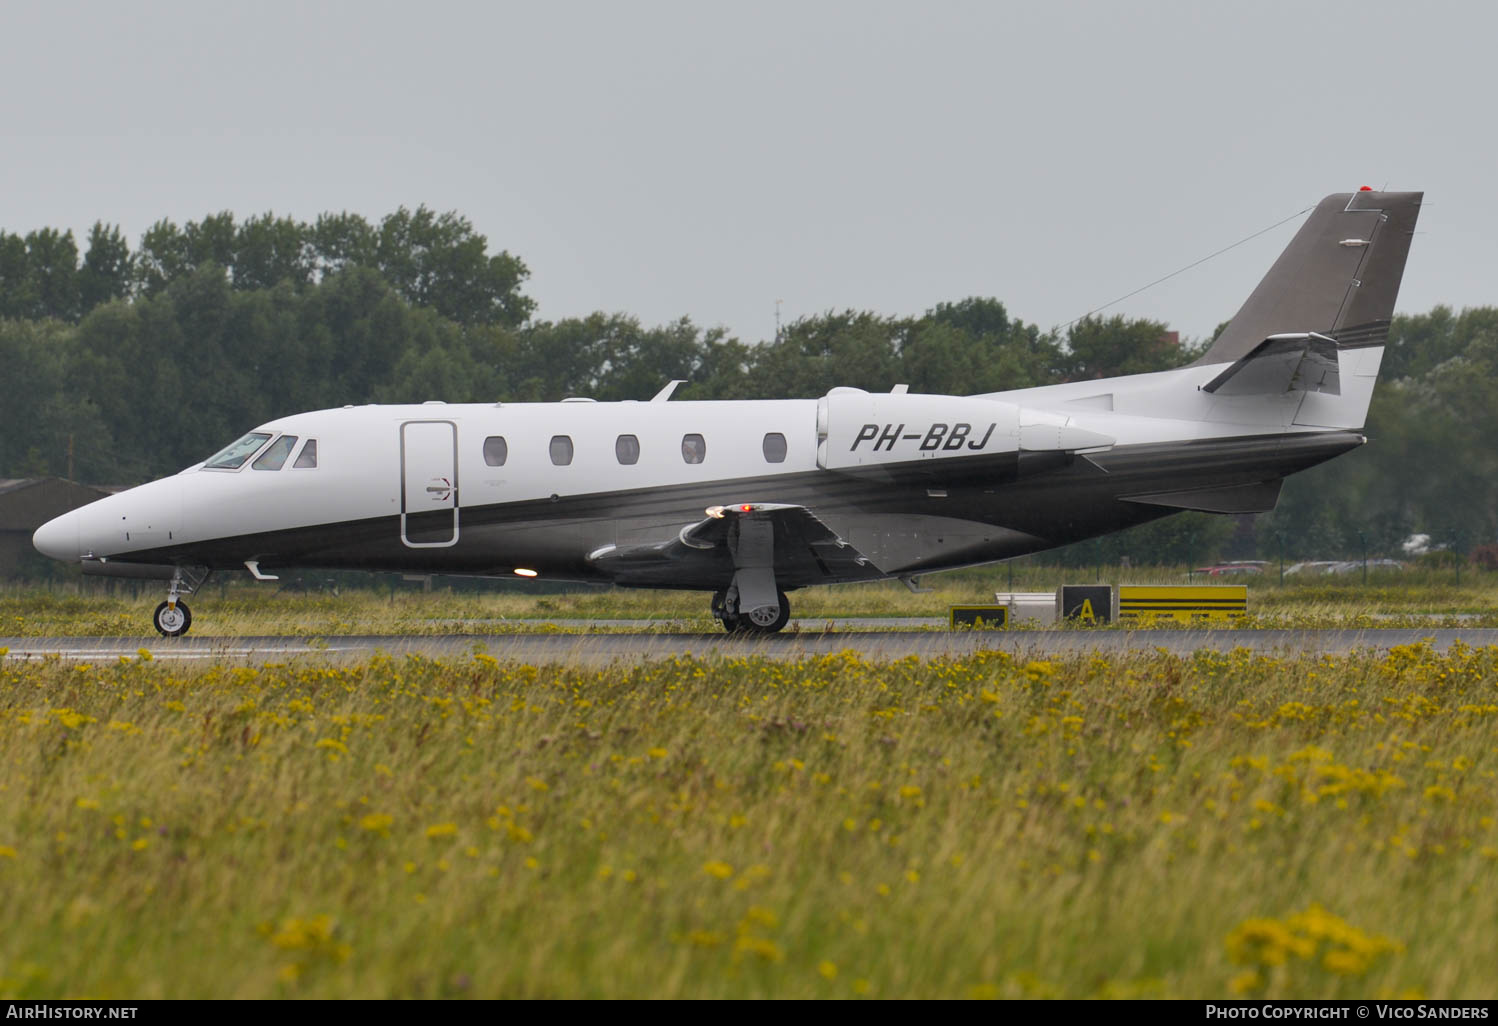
(439, 261)
(30, 352)
(39, 275)
(1098, 348)
(107, 270)
(816, 354)
(269, 250)
(1179, 539)
(973, 346)
(1419, 343)
(340, 241)
(161, 257)
(637, 362)
(52, 264)
(17, 288)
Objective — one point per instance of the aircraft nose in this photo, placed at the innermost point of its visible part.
(58, 538)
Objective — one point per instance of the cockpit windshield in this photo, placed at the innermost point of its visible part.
(274, 458)
(233, 457)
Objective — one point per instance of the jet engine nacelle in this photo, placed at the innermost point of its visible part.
(859, 429)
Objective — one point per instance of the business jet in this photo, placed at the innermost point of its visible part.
(751, 500)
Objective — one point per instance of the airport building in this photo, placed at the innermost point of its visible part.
(25, 505)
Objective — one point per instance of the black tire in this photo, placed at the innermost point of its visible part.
(730, 621)
(172, 623)
(748, 626)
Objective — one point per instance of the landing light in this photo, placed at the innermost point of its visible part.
(524, 572)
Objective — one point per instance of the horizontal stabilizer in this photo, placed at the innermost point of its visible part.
(1305, 362)
(1258, 497)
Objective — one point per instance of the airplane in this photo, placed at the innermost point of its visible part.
(749, 500)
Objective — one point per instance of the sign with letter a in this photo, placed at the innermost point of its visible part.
(1087, 603)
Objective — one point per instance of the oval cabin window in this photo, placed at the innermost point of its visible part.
(627, 450)
(496, 451)
(561, 450)
(693, 448)
(774, 447)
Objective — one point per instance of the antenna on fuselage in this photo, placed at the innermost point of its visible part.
(665, 393)
(1182, 270)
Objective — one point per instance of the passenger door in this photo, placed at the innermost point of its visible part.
(429, 483)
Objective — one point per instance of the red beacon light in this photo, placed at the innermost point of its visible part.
(1366, 188)
(747, 508)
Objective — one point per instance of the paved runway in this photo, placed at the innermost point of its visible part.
(601, 649)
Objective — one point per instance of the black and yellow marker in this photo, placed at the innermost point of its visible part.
(1182, 603)
(979, 617)
(1087, 603)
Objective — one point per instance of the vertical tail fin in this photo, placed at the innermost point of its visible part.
(1339, 277)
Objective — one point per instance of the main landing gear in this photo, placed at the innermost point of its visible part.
(764, 619)
(172, 618)
(752, 603)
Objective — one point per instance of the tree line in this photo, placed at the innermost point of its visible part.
(126, 364)
(428, 259)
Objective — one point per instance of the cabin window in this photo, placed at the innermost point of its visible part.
(274, 458)
(561, 450)
(233, 457)
(496, 451)
(307, 458)
(627, 450)
(693, 448)
(774, 447)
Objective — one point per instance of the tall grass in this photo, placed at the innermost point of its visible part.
(1140, 825)
(237, 609)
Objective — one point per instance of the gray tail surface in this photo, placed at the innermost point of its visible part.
(1339, 277)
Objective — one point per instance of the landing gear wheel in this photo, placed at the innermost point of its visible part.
(746, 623)
(172, 622)
(731, 621)
(767, 621)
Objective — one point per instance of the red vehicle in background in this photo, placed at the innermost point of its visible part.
(1247, 567)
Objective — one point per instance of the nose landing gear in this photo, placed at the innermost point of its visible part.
(172, 618)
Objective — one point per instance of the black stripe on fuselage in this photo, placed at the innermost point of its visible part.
(1362, 336)
(1032, 501)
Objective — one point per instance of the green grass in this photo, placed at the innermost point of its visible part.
(236, 608)
(1142, 825)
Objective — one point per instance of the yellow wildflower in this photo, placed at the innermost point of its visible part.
(377, 823)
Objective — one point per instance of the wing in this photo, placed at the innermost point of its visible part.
(806, 551)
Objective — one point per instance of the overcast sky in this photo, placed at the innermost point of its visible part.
(707, 159)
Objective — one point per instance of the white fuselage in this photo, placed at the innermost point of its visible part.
(397, 465)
